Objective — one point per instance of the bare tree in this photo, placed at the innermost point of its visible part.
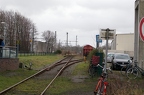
(18, 30)
(50, 39)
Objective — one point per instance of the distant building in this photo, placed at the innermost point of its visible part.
(123, 42)
(40, 46)
(43, 47)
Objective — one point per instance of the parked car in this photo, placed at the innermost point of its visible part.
(110, 57)
(119, 60)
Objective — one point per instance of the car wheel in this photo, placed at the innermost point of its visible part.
(115, 67)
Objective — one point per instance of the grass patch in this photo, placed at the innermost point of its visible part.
(60, 85)
(33, 85)
(8, 78)
(64, 85)
(81, 68)
(39, 61)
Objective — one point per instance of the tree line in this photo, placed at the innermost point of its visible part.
(18, 29)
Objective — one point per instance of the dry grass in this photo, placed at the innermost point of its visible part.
(120, 85)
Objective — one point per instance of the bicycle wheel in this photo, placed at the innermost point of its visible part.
(92, 71)
(132, 73)
(89, 70)
(123, 70)
(98, 92)
(100, 89)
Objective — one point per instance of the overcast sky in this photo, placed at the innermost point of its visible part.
(81, 18)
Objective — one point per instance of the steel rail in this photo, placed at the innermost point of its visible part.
(39, 72)
(42, 93)
(76, 61)
(43, 70)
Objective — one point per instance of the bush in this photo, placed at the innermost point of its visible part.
(93, 52)
(58, 52)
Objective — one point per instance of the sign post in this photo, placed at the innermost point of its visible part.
(106, 34)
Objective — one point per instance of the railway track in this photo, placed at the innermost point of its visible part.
(41, 77)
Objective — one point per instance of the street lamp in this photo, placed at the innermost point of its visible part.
(5, 24)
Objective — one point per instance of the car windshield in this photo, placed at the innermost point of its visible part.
(122, 57)
(109, 55)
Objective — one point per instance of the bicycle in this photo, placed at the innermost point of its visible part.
(125, 68)
(102, 84)
(133, 72)
(93, 66)
(92, 70)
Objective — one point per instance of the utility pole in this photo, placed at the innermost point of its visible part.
(76, 45)
(76, 40)
(55, 41)
(67, 41)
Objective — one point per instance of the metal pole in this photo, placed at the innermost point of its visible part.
(15, 41)
(97, 44)
(55, 45)
(4, 35)
(67, 41)
(76, 40)
(107, 32)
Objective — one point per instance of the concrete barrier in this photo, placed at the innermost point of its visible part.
(9, 64)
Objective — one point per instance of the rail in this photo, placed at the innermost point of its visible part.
(64, 61)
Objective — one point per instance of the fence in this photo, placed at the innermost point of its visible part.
(12, 52)
(35, 53)
(8, 52)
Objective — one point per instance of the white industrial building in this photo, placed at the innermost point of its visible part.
(123, 43)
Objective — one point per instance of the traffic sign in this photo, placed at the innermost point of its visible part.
(141, 29)
(98, 40)
(107, 33)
